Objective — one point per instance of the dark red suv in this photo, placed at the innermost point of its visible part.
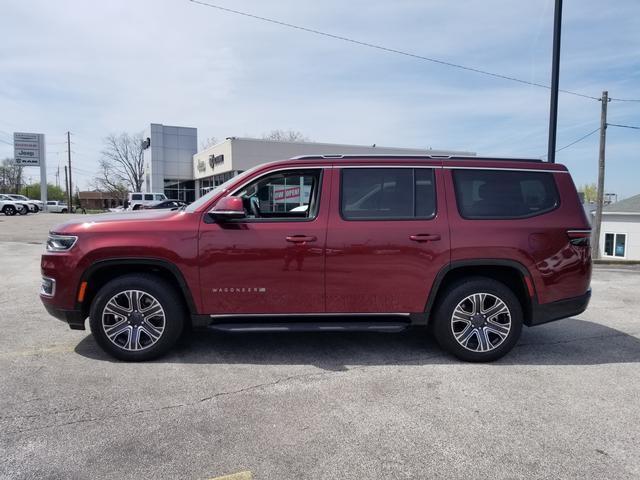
(471, 247)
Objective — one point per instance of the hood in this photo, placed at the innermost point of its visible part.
(123, 217)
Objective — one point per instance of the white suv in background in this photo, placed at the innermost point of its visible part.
(11, 206)
(139, 200)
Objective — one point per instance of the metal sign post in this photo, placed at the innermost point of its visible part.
(29, 151)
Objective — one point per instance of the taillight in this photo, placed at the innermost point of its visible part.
(579, 238)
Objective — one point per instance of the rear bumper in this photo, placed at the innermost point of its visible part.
(74, 318)
(548, 312)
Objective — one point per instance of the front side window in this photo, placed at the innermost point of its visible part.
(387, 193)
(615, 244)
(503, 194)
(282, 195)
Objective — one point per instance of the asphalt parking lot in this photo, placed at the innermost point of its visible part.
(564, 404)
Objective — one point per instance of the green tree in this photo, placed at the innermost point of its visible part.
(590, 191)
(33, 191)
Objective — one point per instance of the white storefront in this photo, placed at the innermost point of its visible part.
(218, 163)
(620, 230)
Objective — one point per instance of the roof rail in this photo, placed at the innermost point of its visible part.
(382, 155)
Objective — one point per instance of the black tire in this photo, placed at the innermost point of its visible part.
(24, 210)
(64, 210)
(444, 327)
(156, 288)
(9, 210)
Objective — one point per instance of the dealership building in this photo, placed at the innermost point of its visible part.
(173, 165)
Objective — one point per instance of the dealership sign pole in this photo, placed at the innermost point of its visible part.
(29, 151)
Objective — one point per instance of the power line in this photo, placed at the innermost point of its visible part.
(624, 100)
(389, 50)
(622, 126)
(576, 141)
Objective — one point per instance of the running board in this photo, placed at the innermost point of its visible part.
(311, 327)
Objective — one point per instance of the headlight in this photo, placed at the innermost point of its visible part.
(60, 243)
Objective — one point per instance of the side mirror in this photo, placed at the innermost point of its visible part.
(228, 208)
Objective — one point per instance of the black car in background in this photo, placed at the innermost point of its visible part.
(167, 204)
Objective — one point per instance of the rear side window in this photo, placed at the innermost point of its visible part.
(387, 193)
(148, 196)
(496, 194)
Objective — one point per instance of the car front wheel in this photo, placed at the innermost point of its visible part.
(478, 319)
(137, 317)
(9, 210)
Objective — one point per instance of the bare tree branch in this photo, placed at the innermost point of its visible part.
(122, 162)
(10, 176)
(208, 142)
(285, 136)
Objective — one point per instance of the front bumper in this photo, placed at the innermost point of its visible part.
(548, 312)
(74, 318)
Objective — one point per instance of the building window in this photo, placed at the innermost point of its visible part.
(179, 190)
(615, 244)
(209, 183)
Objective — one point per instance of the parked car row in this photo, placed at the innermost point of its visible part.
(18, 204)
(11, 204)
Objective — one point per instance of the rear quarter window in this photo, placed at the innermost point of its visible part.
(504, 194)
(136, 196)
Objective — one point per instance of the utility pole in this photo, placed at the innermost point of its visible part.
(69, 156)
(555, 81)
(66, 182)
(600, 194)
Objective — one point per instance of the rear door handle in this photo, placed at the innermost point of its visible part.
(300, 238)
(424, 237)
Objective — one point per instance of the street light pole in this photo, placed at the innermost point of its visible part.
(555, 81)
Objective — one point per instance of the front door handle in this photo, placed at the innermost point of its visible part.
(300, 238)
(424, 237)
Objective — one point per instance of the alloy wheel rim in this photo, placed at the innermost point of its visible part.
(481, 322)
(133, 320)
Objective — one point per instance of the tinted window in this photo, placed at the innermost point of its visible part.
(504, 194)
(148, 197)
(136, 196)
(387, 193)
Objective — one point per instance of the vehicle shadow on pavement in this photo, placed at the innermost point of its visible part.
(567, 342)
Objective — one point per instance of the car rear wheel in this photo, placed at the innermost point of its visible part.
(137, 317)
(478, 320)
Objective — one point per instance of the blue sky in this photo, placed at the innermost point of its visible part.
(96, 68)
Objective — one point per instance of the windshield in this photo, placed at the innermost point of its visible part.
(207, 198)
